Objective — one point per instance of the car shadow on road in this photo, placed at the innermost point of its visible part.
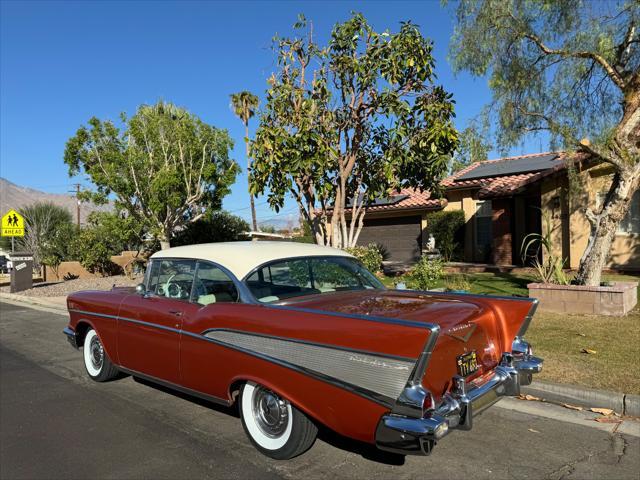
(369, 452)
(365, 450)
(232, 410)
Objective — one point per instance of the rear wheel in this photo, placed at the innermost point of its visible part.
(96, 360)
(274, 426)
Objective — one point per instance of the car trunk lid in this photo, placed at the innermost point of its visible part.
(468, 324)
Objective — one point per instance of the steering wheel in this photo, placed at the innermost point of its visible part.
(172, 290)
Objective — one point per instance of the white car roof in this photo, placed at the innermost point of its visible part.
(242, 257)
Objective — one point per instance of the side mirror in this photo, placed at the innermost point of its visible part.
(141, 289)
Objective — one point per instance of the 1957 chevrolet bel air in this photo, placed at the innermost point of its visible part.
(299, 335)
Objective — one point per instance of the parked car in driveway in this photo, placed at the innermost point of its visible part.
(298, 335)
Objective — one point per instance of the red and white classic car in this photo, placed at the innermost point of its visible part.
(299, 335)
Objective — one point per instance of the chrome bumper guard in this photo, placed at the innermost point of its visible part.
(403, 432)
(71, 337)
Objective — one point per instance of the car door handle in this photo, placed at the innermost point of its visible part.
(177, 313)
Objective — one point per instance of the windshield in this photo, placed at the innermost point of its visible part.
(296, 277)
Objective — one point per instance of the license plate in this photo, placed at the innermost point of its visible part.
(467, 364)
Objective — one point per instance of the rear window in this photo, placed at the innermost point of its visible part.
(297, 277)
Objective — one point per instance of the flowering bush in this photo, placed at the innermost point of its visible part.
(426, 273)
(370, 256)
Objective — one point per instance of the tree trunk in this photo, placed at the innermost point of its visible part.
(165, 239)
(254, 220)
(605, 224)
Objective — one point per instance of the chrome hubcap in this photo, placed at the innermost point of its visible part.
(270, 412)
(97, 353)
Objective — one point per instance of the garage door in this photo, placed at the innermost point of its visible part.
(400, 236)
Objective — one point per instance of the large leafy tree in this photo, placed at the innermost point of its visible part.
(349, 122)
(165, 167)
(244, 106)
(571, 68)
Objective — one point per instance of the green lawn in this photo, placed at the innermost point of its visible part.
(560, 338)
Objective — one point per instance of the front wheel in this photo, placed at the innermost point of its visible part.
(96, 360)
(274, 426)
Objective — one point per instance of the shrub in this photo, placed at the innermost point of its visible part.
(370, 256)
(426, 274)
(217, 226)
(447, 228)
(106, 234)
(550, 269)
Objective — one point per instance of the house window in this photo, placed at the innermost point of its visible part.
(631, 222)
(484, 214)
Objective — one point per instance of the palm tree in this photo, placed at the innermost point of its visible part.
(244, 106)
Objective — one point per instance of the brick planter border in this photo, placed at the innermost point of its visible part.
(617, 299)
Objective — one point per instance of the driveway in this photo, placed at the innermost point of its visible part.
(56, 423)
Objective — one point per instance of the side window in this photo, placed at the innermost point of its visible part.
(172, 278)
(281, 280)
(212, 285)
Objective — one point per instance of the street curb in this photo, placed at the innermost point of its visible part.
(34, 301)
(625, 404)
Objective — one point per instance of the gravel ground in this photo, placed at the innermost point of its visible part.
(65, 288)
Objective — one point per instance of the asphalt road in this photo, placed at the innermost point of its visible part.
(56, 423)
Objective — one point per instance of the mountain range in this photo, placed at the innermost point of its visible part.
(15, 197)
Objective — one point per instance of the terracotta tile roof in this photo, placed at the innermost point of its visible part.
(415, 199)
(501, 184)
(495, 186)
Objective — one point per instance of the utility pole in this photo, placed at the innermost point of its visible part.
(77, 192)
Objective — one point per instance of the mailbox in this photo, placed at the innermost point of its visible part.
(22, 271)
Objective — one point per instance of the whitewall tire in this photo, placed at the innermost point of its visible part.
(96, 360)
(274, 426)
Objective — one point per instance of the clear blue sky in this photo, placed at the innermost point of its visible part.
(63, 62)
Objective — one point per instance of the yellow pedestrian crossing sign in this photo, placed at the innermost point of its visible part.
(12, 224)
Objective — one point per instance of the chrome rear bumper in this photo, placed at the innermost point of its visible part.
(400, 432)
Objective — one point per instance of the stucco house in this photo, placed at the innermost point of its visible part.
(504, 200)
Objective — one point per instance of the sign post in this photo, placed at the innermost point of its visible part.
(22, 270)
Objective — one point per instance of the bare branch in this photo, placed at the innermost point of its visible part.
(611, 72)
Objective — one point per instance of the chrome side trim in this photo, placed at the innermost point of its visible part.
(317, 344)
(173, 386)
(527, 320)
(373, 373)
(464, 294)
(412, 398)
(369, 395)
(84, 312)
(363, 392)
(369, 318)
(129, 320)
